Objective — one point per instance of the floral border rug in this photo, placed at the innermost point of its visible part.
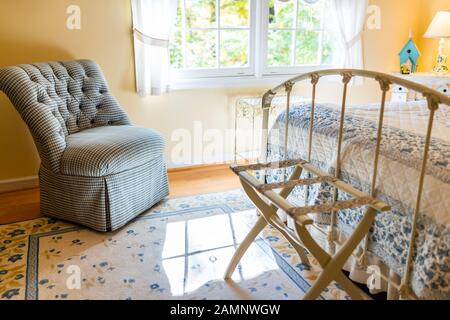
(177, 250)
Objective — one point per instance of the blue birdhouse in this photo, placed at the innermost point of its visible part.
(409, 57)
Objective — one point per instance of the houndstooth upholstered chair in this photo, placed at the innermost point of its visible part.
(96, 168)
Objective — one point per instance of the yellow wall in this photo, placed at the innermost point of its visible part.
(34, 30)
(429, 47)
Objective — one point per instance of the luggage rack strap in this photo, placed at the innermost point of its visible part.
(335, 206)
(283, 204)
(268, 165)
(295, 183)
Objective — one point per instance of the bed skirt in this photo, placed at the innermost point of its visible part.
(103, 203)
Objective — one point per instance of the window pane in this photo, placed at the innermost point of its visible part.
(281, 14)
(279, 48)
(327, 48)
(309, 15)
(234, 48)
(234, 13)
(176, 49)
(201, 13)
(307, 47)
(201, 49)
(179, 17)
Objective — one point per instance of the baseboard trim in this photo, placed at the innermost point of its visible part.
(198, 166)
(23, 183)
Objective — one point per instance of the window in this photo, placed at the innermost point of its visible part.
(299, 33)
(213, 37)
(223, 38)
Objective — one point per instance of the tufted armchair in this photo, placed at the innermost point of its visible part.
(96, 168)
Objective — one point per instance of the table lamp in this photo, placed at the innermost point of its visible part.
(440, 28)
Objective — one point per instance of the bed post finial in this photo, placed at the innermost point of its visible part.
(288, 85)
(346, 77)
(433, 101)
(267, 99)
(385, 84)
(314, 78)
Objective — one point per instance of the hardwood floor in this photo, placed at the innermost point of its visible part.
(200, 180)
(19, 206)
(24, 205)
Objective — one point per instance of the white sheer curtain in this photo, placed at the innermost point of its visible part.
(351, 16)
(152, 21)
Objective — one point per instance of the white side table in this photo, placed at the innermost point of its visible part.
(248, 124)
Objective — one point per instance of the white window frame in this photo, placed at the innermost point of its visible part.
(257, 72)
(193, 73)
(290, 69)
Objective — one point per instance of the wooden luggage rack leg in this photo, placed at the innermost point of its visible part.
(332, 266)
(268, 215)
(301, 240)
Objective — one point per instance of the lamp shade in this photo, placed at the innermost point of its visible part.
(440, 26)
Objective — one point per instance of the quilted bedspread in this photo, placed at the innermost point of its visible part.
(399, 167)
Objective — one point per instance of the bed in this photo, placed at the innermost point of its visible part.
(328, 175)
(400, 156)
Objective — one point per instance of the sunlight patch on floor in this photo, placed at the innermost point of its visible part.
(197, 251)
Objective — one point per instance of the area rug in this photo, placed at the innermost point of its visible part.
(178, 250)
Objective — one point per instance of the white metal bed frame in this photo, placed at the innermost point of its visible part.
(268, 201)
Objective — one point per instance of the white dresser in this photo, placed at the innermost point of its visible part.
(432, 80)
